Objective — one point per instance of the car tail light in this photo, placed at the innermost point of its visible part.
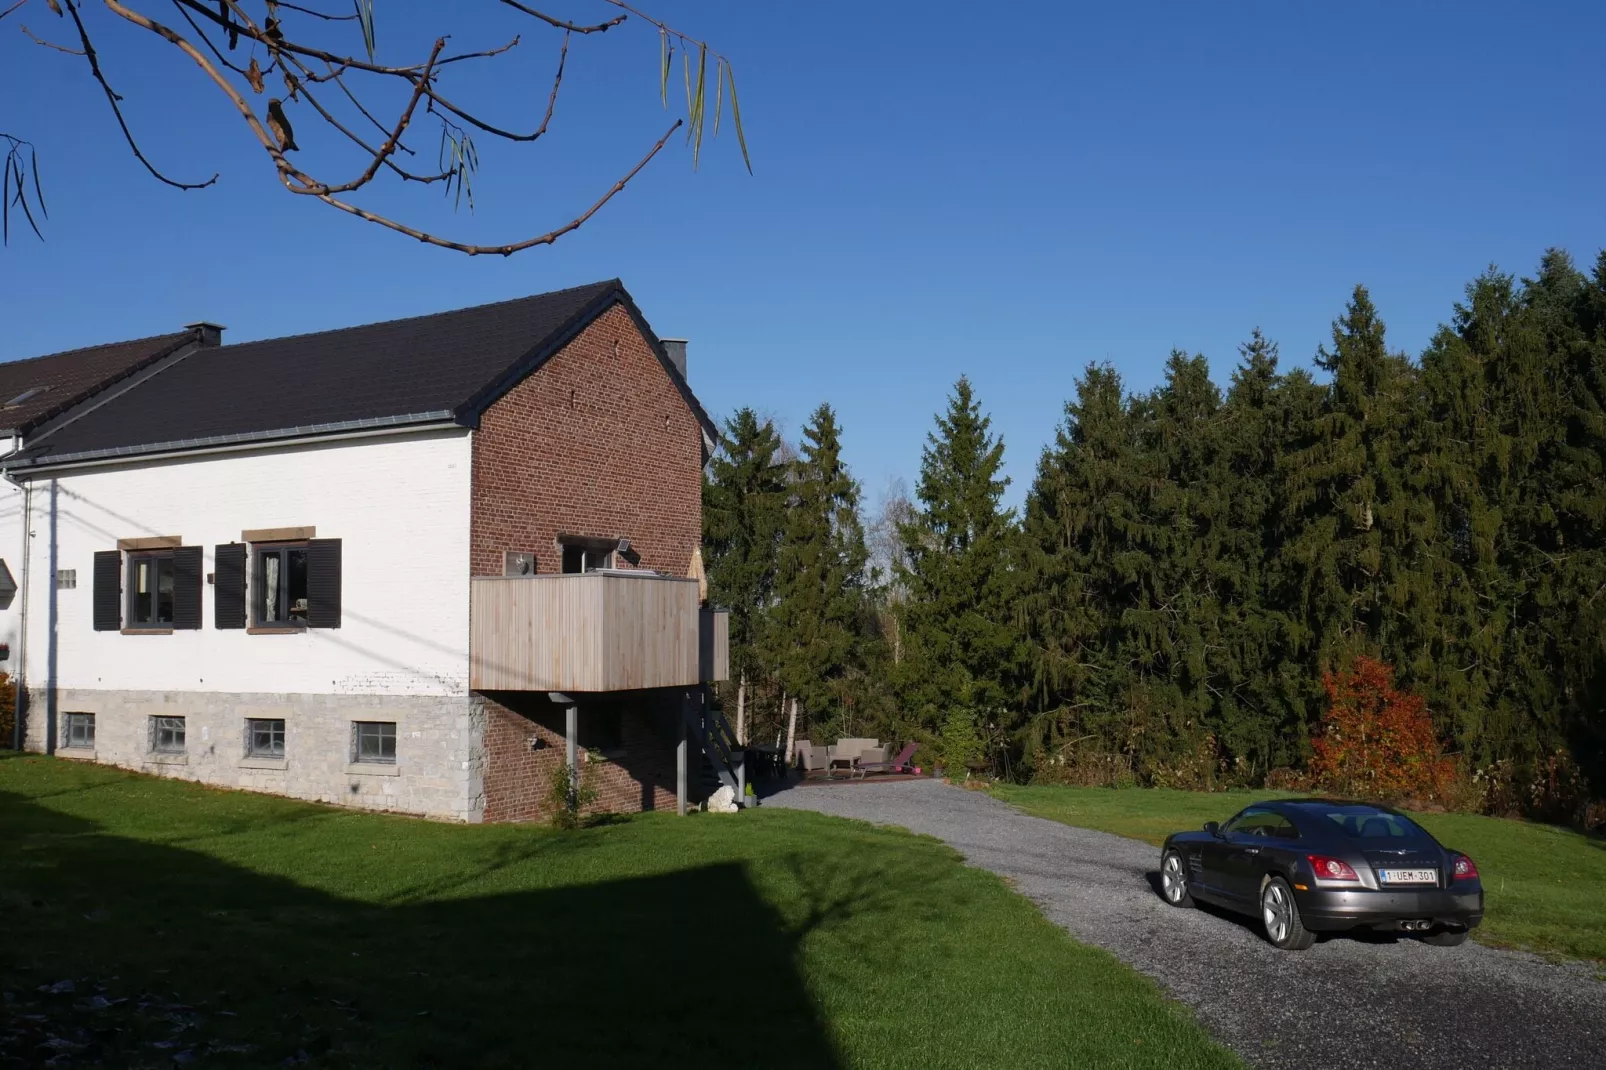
(1332, 869)
(1464, 869)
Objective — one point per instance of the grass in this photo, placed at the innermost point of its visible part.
(1544, 886)
(250, 930)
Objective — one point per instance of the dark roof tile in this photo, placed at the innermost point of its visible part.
(443, 365)
(35, 389)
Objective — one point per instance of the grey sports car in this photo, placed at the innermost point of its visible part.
(1304, 866)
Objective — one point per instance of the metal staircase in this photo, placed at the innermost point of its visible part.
(721, 758)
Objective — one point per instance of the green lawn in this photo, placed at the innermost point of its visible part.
(249, 930)
(1545, 887)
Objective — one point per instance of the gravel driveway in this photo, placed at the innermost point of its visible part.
(1348, 1002)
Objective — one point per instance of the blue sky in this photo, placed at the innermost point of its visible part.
(1006, 191)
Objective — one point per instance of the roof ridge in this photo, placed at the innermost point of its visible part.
(613, 282)
(98, 345)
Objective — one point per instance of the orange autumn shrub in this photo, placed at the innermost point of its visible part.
(1377, 742)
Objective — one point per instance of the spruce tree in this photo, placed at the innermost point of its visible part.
(959, 638)
(819, 617)
(744, 500)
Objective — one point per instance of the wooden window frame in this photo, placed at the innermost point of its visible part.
(256, 581)
(131, 562)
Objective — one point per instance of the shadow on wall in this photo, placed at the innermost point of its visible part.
(123, 952)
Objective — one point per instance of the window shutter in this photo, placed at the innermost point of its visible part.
(187, 580)
(323, 583)
(228, 586)
(108, 590)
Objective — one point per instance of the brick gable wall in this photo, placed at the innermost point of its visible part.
(598, 441)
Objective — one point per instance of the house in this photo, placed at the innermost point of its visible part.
(408, 566)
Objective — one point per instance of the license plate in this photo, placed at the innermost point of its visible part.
(1409, 876)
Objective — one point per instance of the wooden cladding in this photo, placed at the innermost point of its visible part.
(595, 631)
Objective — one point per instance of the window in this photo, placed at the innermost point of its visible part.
(602, 730)
(150, 590)
(80, 730)
(281, 586)
(1368, 823)
(167, 735)
(581, 558)
(264, 738)
(373, 741)
(1265, 824)
(66, 579)
(27, 395)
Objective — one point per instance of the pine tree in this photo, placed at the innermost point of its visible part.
(1081, 518)
(1349, 490)
(820, 626)
(744, 500)
(961, 645)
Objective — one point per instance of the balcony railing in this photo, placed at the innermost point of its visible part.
(595, 631)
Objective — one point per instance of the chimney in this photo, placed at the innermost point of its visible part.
(676, 348)
(211, 334)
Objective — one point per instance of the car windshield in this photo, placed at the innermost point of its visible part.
(1366, 823)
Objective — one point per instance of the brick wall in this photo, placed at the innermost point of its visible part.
(598, 441)
(639, 776)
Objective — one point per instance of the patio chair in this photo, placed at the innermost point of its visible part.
(812, 759)
(896, 765)
(848, 752)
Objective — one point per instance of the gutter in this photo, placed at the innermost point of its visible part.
(311, 434)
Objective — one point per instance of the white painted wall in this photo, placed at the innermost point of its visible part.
(400, 505)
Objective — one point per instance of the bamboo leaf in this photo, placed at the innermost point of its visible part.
(736, 118)
(719, 91)
(365, 19)
(685, 70)
(699, 105)
(663, 88)
(38, 191)
(5, 203)
(23, 200)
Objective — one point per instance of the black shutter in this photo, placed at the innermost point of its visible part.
(187, 580)
(108, 590)
(323, 583)
(228, 586)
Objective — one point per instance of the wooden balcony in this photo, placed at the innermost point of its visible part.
(597, 631)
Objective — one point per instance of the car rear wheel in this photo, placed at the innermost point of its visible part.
(1446, 938)
(1280, 914)
(1174, 880)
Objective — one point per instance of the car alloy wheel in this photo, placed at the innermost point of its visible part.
(1174, 880)
(1280, 914)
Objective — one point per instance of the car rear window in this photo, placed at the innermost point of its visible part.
(1364, 823)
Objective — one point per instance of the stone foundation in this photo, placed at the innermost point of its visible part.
(440, 755)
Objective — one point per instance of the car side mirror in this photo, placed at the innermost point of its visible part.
(1212, 828)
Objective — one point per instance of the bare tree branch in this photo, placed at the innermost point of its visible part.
(41, 42)
(288, 53)
(601, 27)
(508, 250)
(112, 97)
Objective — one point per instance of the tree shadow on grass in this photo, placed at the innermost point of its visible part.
(129, 953)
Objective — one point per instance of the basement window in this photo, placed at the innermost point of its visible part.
(281, 586)
(80, 730)
(150, 590)
(373, 741)
(264, 737)
(167, 735)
